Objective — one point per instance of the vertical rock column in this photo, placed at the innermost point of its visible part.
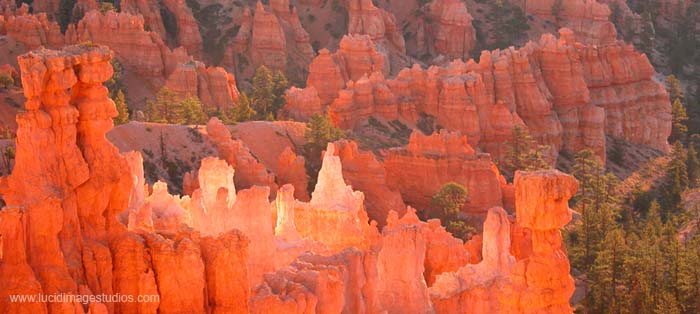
(541, 202)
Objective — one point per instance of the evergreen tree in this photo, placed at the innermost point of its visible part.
(676, 180)
(606, 272)
(524, 153)
(168, 107)
(673, 85)
(596, 201)
(693, 165)
(262, 97)
(679, 129)
(267, 95)
(319, 132)
(192, 111)
(279, 87)
(450, 199)
(689, 284)
(165, 108)
(122, 109)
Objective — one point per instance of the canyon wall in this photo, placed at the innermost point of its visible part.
(568, 95)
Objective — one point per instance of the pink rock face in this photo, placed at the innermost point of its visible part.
(442, 158)
(149, 10)
(539, 280)
(250, 171)
(567, 94)
(291, 170)
(215, 87)
(139, 50)
(302, 103)
(356, 57)
(272, 37)
(453, 33)
(187, 29)
(225, 262)
(541, 199)
(34, 30)
(401, 259)
(381, 26)
(365, 173)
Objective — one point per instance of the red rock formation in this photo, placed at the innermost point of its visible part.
(67, 178)
(539, 281)
(50, 7)
(452, 33)
(63, 230)
(149, 10)
(225, 262)
(142, 52)
(301, 103)
(274, 38)
(212, 85)
(365, 173)
(442, 158)
(334, 205)
(556, 88)
(250, 171)
(187, 29)
(355, 58)
(291, 170)
(33, 30)
(381, 26)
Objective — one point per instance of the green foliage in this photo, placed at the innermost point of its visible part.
(693, 166)
(449, 200)
(6, 81)
(509, 23)
(168, 107)
(319, 132)
(596, 201)
(676, 179)
(524, 153)
(240, 113)
(673, 85)
(267, 95)
(122, 109)
(115, 84)
(106, 7)
(679, 129)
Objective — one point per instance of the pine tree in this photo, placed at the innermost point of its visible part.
(673, 85)
(679, 128)
(165, 108)
(689, 284)
(676, 180)
(262, 97)
(596, 202)
(693, 165)
(122, 109)
(606, 272)
(450, 199)
(279, 86)
(524, 153)
(168, 107)
(192, 111)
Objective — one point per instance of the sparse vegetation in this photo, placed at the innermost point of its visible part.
(168, 107)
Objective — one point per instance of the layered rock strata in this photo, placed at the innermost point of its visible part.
(567, 94)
